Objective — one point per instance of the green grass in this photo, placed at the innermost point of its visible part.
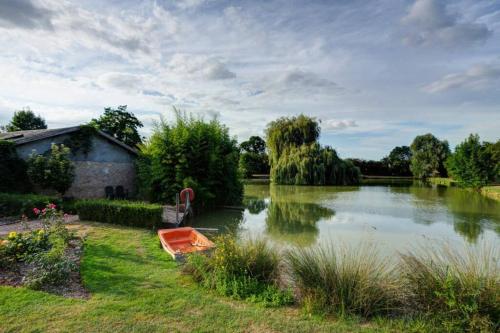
(492, 192)
(442, 181)
(136, 287)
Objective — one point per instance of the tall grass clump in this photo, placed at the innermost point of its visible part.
(461, 288)
(344, 281)
(244, 270)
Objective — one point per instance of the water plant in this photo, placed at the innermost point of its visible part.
(344, 281)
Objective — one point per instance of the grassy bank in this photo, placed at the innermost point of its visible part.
(492, 192)
(134, 286)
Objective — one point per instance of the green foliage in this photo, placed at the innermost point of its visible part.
(311, 164)
(297, 159)
(472, 164)
(253, 158)
(190, 153)
(398, 161)
(22, 204)
(13, 176)
(81, 140)
(55, 171)
(460, 288)
(121, 124)
(25, 119)
(21, 245)
(344, 281)
(428, 156)
(371, 167)
(131, 213)
(247, 270)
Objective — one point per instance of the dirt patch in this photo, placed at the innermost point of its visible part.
(9, 224)
(73, 288)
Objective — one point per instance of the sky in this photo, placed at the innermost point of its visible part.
(375, 73)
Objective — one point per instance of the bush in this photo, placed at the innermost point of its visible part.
(55, 171)
(130, 213)
(297, 158)
(22, 204)
(460, 288)
(191, 153)
(248, 270)
(13, 176)
(344, 281)
(472, 164)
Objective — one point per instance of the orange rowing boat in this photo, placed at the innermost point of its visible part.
(180, 241)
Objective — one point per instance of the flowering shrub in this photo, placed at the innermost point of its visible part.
(19, 245)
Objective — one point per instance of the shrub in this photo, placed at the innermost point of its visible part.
(55, 171)
(191, 153)
(460, 288)
(21, 245)
(472, 164)
(22, 204)
(131, 213)
(343, 280)
(297, 158)
(13, 176)
(248, 270)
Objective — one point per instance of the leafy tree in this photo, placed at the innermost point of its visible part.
(428, 156)
(25, 119)
(398, 161)
(53, 171)
(13, 177)
(190, 153)
(253, 158)
(121, 124)
(297, 158)
(472, 164)
(255, 144)
(371, 167)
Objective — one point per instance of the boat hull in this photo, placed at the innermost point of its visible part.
(180, 241)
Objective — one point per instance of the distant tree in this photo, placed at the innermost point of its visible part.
(255, 144)
(121, 124)
(25, 119)
(253, 157)
(398, 161)
(472, 164)
(428, 156)
(371, 167)
(53, 170)
(297, 158)
(494, 150)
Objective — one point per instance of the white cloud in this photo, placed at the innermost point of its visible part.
(25, 14)
(429, 23)
(478, 77)
(337, 125)
(199, 66)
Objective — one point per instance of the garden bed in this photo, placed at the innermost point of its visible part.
(16, 274)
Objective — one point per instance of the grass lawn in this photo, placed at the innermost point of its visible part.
(136, 287)
(492, 191)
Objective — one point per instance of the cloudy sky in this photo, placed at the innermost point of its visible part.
(376, 73)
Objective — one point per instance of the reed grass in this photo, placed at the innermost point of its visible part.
(460, 286)
(344, 280)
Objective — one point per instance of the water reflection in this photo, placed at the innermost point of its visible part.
(394, 216)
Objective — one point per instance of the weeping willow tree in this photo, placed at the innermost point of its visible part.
(297, 158)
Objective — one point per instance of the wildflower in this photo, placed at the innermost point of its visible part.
(12, 235)
(36, 211)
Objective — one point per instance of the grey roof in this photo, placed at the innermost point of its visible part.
(22, 137)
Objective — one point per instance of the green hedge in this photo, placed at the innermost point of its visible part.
(18, 204)
(131, 213)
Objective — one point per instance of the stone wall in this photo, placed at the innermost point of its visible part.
(92, 177)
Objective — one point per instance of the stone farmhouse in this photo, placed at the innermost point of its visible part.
(108, 163)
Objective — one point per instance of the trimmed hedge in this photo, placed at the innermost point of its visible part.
(12, 204)
(130, 213)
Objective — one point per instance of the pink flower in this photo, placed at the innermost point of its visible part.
(36, 211)
(66, 216)
(44, 211)
(52, 206)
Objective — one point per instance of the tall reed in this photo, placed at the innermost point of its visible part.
(344, 280)
(459, 286)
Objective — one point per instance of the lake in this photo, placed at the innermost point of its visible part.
(395, 216)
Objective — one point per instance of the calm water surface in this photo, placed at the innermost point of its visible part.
(395, 217)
